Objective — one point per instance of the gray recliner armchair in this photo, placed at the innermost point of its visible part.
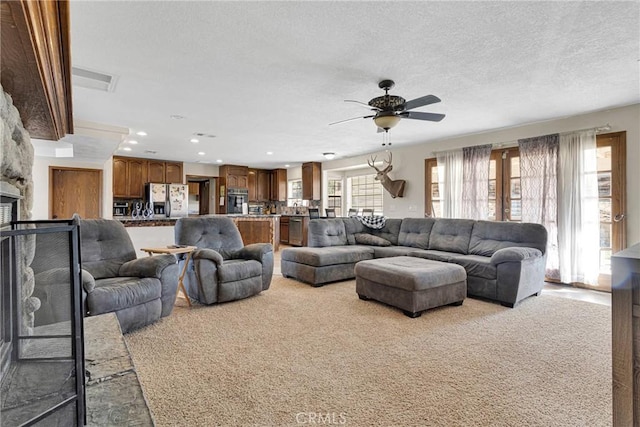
(222, 268)
(138, 290)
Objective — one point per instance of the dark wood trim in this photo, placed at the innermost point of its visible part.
(36, 65)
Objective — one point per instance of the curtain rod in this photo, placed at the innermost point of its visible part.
(514, 143)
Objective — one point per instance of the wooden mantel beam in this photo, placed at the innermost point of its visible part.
(35, 64)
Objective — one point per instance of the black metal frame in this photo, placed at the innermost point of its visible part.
(71, 227)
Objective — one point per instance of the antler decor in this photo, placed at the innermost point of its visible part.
(394, 187)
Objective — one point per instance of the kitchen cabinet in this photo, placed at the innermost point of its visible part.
(173, 173)
(129, 177)
(263, 184)
(194, 188)
(284, 229)
(278, 185)
(155, 171)
(235, 176)
(252, 183)
(130, 174)
(311, 181)
(259, 229)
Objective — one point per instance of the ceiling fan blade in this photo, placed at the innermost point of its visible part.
(363, 104)
(348, 120)
(416, 115)
(420, 102)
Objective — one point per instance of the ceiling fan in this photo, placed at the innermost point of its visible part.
(389, 109)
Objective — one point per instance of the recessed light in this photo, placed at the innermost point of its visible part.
(286, 166)
(269, 153)
(329, 156)
(176, 117)
(141, 133)
(194, 140)
(127, 148)
(219, 161)
(132, 141)
(201, 153)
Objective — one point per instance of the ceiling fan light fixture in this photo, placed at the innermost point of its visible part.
(386, 122)
(329, 156)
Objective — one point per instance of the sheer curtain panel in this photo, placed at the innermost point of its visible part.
(578, 211)
(475, 181)
(539, 190)
(450, 182)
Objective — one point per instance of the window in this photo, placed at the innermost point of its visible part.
(366, 192)
(334, 195)
(294, 192)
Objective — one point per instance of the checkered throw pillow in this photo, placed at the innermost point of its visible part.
(376, 222)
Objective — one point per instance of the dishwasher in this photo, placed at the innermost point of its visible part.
(295, 231)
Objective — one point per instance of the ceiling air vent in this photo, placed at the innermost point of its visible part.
(150, 152)
(93, 79)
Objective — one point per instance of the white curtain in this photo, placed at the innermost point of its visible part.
(578, 211)
(475, 185)
(539, 191)
(450, 182)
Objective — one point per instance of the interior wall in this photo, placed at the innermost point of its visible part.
(408, 162)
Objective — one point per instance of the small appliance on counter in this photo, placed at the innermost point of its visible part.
(120, 209)
(255, 209)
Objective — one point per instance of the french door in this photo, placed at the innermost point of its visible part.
(505, 202)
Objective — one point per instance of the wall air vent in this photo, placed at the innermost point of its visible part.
(93, 79)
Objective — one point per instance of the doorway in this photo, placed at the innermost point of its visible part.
(74, 190)
(201, 194)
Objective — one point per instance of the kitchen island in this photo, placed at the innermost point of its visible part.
(158, 232)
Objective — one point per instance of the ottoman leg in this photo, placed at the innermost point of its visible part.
(363, 297)
(412, 314)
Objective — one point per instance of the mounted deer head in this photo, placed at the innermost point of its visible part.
(394, 187)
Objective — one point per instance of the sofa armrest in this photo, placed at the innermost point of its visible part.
(61, 275)
(514, 254)
(254, 251)
(209, 254)
(147, 267)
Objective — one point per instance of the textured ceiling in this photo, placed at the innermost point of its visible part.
(270, 76)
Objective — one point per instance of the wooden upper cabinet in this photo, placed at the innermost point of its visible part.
(252, 181)
(129, 177)
(279, 185)
(311, 181)
(235, 176)
(173, 173)
(136, 177)
(194, 188)
(36, 65)
(155, 171)
(264, 183)
(120, 167)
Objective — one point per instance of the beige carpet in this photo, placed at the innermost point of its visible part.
(297, 354)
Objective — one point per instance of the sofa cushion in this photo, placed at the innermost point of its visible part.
(415, 232)
(390, 230)
(352, 226)
(476, 265)
(451, 235)
(106, 245)
(443, 256)
(236, 270)
(391, 251)
(319, 257)
(326, 232)
(370, 239)
(118, 293)
(490, 236)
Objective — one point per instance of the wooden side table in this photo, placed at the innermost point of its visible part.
(175, 249)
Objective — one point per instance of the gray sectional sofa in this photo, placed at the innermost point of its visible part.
(504, 261)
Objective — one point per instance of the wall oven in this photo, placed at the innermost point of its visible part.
(236, 199)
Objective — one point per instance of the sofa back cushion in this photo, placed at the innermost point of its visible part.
(208, 232)
(352, 227)
(389, 232)
(105, 245)
(489, 236)
(326, 232)
(415, 232)
(451, 235)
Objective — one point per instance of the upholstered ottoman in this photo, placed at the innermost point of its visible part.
(411, 284)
